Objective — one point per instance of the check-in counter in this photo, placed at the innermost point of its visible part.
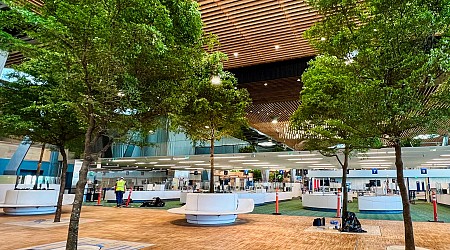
(380, 204)
(261, 198)
(322, 201)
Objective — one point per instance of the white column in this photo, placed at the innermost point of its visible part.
(3, 57)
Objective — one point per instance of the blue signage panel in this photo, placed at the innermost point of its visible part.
(374, 170)
(423, 171)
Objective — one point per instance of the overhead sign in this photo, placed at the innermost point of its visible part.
(423, 171)
(374, 170)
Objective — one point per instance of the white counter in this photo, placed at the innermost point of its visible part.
(320, 200)
(30, 202)
(380, 204)
(259, 198)
(139, 196)
(443, 199)
(213, 208)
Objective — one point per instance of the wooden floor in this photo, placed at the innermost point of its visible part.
(253, 231)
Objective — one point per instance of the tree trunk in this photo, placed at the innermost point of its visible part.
(344, 184)
(211, 159)
(407, 222)
(38, 171)
(62, 185)
(72, 235)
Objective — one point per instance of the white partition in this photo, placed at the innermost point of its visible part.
(261, 198)
(320, 200)
(258, 198)
(443, 199)
(3, 189)
(383, 204)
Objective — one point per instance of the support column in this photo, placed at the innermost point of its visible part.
(3, 57)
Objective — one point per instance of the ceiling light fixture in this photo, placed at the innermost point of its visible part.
(191, 161)
(235, 54)
(228, 157)
(124, 160)
(277, 47)
(242, 160)
(306, 159)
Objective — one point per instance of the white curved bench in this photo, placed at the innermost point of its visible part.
(30, 202)
(211, 208)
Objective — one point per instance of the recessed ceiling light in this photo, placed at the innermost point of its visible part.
(235, 54)
(323, 39)
(307, 162)
(165, 165)
(277, 46)
(256, 163)
(145, 163)
(191, 161)
(165, 159)
(124, 160)
(304, 155)
(243, 160)
(376, 157)
(265, 84)
(228, 157)
(298, 80)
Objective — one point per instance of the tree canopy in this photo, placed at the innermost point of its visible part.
(212, 109)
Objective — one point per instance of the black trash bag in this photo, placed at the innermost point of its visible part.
(155, 202)
(351, 223)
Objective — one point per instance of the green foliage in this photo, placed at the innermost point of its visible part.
(257, 175)
(121, 63)
(212, 110)
(328, 114)
(393, 53)
(31, 108)
(247, 149)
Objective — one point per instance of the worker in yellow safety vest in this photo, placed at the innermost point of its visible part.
(119, 188)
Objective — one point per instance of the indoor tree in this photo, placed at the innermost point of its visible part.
(327, 119)
(397, 50)
(113, 60)
(214, 106)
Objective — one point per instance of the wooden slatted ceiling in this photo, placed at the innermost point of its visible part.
(252, 28)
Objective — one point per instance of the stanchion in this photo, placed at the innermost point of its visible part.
(338, 208)
(99, 198)
(276, 203)
(435, 214)
(129, 197)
